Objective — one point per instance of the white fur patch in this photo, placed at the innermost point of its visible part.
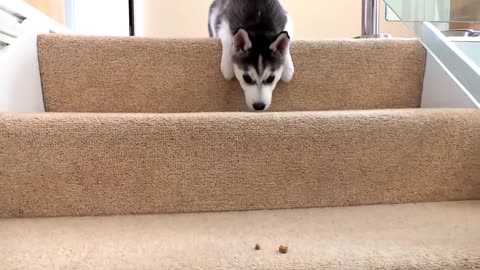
(226, 38)
(260, 64)
(288, 67)
(289, 27)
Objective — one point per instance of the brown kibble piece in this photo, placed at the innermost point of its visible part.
(283, 249)
(257, 247)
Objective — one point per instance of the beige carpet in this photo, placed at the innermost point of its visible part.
(104, 164)
(96, 154)
(432, 236)
(92, 74)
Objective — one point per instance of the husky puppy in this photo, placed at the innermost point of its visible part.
(255, 37)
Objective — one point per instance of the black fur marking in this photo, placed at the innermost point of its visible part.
(245, 14)
(260, 47)
(263, 20)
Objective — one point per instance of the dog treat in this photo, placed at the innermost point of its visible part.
(257, 247)
(283, 249)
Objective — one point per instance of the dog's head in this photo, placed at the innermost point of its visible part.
(258, 65)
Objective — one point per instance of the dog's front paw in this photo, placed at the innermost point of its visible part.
(227, 73)
(288, 73)
(288, 69)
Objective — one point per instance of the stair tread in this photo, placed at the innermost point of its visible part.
(441, 235)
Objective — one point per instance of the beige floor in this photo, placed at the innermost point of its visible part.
(413, 236)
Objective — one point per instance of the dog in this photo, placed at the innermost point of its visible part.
(255, 37)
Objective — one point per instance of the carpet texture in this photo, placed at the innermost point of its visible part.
(147, 126)
(432, 236)
(115, 74)
(71, 164)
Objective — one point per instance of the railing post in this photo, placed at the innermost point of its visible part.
(371, 19)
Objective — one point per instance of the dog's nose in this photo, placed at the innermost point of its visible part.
(259, 106)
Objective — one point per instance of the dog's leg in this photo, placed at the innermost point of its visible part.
(289, 27)
(226, 38)
(288, 68)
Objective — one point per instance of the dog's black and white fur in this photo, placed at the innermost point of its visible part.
(255, 37)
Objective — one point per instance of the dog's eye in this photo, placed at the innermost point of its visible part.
(248, 79)
(270, 79)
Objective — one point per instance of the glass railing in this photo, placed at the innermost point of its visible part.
(449, 30)
(435, 10)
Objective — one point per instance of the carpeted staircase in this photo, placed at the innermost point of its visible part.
(147, 159)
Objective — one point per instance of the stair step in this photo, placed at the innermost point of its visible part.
(119, 74)
(413, 236)
(68, 164)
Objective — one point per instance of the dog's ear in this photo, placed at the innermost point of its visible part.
(281, 43)
(241, 41)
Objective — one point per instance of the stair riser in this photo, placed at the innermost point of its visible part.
(81, 164)
(91, 74)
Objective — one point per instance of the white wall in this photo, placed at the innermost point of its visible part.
(20, 83)
(314, 19)
(99, 17)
